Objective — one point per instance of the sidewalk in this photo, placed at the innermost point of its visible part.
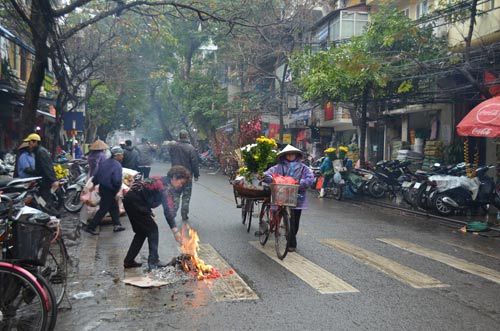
(112, 305)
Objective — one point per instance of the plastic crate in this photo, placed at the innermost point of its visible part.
(284, 194)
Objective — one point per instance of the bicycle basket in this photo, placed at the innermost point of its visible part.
(30, 243)
(284, 194)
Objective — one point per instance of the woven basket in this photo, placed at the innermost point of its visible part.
(247, 192)
(284, 194)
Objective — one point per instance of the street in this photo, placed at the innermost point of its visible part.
(355, 268)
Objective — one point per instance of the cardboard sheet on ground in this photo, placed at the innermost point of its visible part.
(144, 282)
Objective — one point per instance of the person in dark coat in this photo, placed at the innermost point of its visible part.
(109, 179)
(184, 154)
(140, 200)
(130, 156)
(43, 168)
(145, 157)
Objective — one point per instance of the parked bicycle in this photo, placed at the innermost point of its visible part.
(27, 301)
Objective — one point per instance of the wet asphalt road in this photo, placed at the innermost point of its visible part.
(285, 301)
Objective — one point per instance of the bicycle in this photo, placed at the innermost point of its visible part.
(27, 301)
(275, 216)
(55, 269)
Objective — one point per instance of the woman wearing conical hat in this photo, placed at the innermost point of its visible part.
(97, 154)
(290, 164)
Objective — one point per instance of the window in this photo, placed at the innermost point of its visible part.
(406, 12)
(322, 33)
(422, 9)
(490, 5)
(348, 24)
(335, 29)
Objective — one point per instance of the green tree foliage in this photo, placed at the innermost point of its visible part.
(368, 67)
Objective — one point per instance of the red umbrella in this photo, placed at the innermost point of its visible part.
(482, 121)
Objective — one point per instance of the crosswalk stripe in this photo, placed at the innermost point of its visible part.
(317, 277)
(452, 261)
(229, 287)
(474, 249)
(400, 272)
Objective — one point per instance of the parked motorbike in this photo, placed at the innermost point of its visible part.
(72, 201)
(466, 193)
(30, 187)
(388, 177)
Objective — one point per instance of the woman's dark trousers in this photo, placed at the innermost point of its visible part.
(109, 204)
(294, 227)
(144, 227)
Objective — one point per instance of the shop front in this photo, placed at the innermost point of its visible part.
(418, 133)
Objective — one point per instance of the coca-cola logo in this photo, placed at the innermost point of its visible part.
(483, 132)
(489, 113)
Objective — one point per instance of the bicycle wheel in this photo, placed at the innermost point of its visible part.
(243, 210)
(55, 269)
(264, 223)
(249, 213)
(52, 314)
(337, 191)
(281, 232)
(23, 304)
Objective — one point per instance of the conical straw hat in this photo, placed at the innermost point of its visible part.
(290, 149)
(98, 145)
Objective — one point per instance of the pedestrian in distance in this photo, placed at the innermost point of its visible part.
(326, 169)
(146, 152)
(140, 200)
(44, 169)
(109, 179)
(78, 151)
(25, 163)
(130, 156)
(96, 156)
(290, 164)
(182, 153)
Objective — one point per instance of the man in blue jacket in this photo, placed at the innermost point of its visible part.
(109, 179)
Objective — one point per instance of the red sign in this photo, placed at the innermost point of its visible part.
(329, 111)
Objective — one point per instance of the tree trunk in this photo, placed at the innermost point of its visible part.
(159, 111)
(362, 128)
(40, 14)
(284, 103)
(466, 68)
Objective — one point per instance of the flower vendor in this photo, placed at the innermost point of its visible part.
(290, 164)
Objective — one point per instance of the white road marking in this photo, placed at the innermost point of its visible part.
(229, 287)
(393, 269)
(452, 261)
(317, 277)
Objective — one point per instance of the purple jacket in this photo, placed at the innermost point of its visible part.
(297, 170)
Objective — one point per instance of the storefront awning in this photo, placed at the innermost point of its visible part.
(482, 121)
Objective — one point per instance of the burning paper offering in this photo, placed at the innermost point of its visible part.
(189, 260)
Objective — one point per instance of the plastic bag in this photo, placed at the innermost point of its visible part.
(278, 179)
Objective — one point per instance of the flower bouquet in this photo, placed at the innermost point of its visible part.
(257, 158)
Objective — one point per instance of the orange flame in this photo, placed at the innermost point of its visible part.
(190, 246)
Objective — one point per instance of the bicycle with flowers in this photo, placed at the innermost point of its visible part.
(257, 158)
